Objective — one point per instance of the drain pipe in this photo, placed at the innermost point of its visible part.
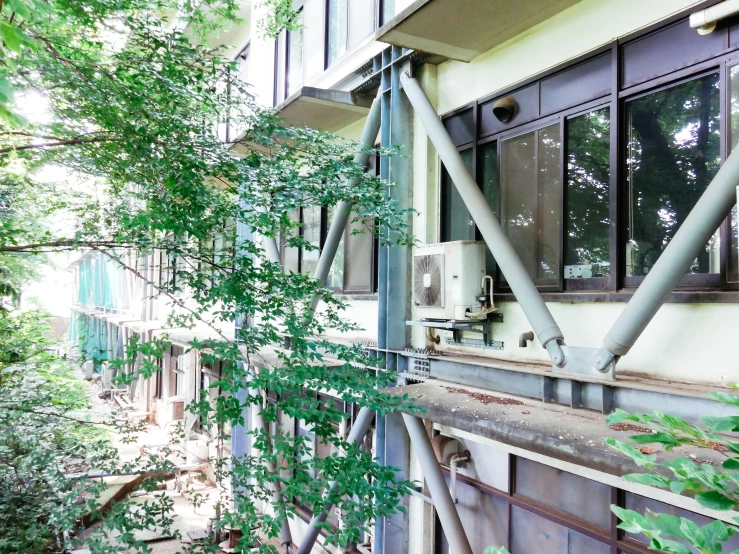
(705, 20)
(510, 264)
(702, 221)
(359, 430)
(442, 498)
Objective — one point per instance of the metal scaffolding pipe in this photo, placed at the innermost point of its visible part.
(343, 208)
(359, 430)
(702, 221)
(442, 499)
(510, 264)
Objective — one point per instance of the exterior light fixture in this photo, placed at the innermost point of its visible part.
(505, 109)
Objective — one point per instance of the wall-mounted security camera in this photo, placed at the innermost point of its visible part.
(505, 109)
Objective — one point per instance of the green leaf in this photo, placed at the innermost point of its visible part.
(651, 479)
(11, 36)
(725, 397)
(496, 550)
(722, 424)
(642, 460)
(731, 463)
(714, 500)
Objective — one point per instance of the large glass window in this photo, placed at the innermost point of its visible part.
(312, 235)
(531, 192)
(491, 189)
(354, 267)
(587, 227)
(673, 153)
(733, 265)
(338, 27)
(294, 70)
(456, 222)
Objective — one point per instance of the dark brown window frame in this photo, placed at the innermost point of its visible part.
(693, 288)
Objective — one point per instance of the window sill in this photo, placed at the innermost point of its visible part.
(624, 295)
(357, 296)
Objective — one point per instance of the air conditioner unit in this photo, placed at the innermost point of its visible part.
(447, 279)
(177, 406)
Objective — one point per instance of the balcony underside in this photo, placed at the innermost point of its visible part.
(328, 110)
(464, 30)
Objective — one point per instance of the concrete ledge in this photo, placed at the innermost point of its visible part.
(566, 434)
(328, 110)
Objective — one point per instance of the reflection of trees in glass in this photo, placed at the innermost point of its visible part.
(733, 269)
(587, 236)
(673, 153)
(295, 58)
(455, 217)
(337, 29)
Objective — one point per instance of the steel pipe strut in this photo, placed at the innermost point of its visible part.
(328, 253)
(523, 287)
(706, 216)
(442, 498)
(343, 209)
(359, 430)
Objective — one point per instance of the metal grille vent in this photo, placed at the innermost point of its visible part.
(427, 280)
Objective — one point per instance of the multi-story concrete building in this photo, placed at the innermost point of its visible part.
(589, 131)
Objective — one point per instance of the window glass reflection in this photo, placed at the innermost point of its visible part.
(531, 179)
(587, 236)
(673, 153)
(456, 222)
(337, 29)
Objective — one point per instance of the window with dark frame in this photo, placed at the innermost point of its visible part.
(294, 58)
(348, 23)
(355, 266)
(634, 159)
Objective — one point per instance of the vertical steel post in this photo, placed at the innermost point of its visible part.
(702, 221)
(443, 502)
(359, 429)
(523, 287)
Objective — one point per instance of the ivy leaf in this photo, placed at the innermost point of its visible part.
(722, 424)
(651, 479)
(725, 397)
(714, 500)
(731, 463)
(639, 459)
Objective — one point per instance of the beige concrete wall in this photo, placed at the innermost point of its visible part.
(688, 342)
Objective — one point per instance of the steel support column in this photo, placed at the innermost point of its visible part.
(702, 221)
(546, 329)
(443, 502)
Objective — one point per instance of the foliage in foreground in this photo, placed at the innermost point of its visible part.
(713, 487)
(134, 108)
(41, 442)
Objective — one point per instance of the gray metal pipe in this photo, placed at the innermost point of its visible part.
(328, 253)
(702, 221)
(510, 264)
(343, 209)
(442, 499)
(359, 430)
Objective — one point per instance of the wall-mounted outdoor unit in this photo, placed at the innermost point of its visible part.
(178, 408)
(446, 279)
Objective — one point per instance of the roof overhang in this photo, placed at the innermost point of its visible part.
(328, 110)
(464, 30)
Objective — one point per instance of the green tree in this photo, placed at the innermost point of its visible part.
(133, 108)
(713, 487)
